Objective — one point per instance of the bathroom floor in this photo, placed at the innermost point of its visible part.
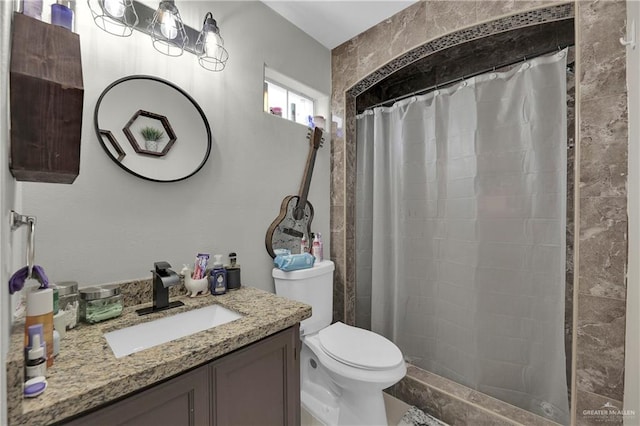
(398, 414)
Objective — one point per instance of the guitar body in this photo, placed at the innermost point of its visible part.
(286, 231)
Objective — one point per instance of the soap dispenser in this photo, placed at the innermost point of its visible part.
(218, 277)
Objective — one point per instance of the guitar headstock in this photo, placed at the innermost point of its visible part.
(315, 137)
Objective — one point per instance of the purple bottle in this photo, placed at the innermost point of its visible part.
(62, 14)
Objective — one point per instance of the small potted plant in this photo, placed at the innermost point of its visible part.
(151, 137)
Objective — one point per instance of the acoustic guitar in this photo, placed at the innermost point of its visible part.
(296, 212)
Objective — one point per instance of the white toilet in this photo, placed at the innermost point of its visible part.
(343, 368)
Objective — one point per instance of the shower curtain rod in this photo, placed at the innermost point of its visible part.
(463, 78)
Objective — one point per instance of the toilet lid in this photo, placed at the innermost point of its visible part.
(358, 347)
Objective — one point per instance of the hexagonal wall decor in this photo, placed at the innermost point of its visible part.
(137, 122)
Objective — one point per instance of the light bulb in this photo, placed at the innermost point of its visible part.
(168, 25)
(115, 8)
(213, 45)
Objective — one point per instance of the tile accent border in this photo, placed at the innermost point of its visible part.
(524, 19)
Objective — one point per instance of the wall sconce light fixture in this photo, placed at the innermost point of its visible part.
(210, 46)
(117, 17)
(168, 33)
(167, 30)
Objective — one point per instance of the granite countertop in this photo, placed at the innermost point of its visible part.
(86, 374)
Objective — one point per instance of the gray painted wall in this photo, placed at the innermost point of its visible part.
(111, 226)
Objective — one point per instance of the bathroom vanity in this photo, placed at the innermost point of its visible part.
(242, 372)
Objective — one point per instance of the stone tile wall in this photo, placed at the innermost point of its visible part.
(601, 149)
(602, 235)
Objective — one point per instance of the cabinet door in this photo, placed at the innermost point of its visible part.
(179, 401)
(260, 384)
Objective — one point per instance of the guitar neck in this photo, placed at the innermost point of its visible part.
(308, 172)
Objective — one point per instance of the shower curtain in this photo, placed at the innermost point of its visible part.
(460, 231)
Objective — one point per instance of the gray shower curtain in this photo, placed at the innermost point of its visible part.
(460, 232)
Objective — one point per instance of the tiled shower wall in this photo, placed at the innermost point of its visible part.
(601, 111)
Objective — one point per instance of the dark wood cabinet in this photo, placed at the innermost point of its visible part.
(46, 102)
(183, 400)
(260, 384)
(255, 385)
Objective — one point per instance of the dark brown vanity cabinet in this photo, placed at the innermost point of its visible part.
(46, 102)
(260, 384)
(183, 400)
(255, 385)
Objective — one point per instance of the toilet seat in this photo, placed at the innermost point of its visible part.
(359, 348)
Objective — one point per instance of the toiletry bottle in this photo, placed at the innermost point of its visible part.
(56, 342)
(218, 277)
(233, 273)
(317, 247)
(62, 14)
(56, 306)
(36, 364)
(304, 244)
(40, 311)
(32, 8)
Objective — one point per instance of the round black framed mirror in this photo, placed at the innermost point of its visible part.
(152, 128)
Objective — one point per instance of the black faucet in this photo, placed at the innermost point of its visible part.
(163, 278)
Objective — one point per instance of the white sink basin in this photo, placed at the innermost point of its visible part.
(143, 336)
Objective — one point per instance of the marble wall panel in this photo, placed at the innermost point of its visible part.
(604, 146)
(594, 409)
(444, 17)
(491, 9)
(408, 28)
(602, 249)
(602, 228)
(600, 338)
(338, 258)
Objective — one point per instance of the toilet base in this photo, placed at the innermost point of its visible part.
(353, 410)
(362, 410)
(333, 405)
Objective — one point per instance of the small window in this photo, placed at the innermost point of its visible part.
(288, 98)
(288, 104)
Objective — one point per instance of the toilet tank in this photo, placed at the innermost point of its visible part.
(313, 286)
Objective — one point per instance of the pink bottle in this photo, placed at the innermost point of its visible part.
(317, 249)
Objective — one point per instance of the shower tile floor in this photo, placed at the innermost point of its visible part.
(398, 414)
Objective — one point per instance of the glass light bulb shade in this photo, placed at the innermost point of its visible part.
(213, 44)
(168, 25)
(117, 17)
(115, 8)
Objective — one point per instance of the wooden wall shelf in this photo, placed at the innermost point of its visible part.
(46, 102)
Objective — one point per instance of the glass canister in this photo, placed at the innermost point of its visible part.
(69, 301)
(62, 12)
(100, 303)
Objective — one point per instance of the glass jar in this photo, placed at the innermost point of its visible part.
(62, 14)
(69, 302)
(100, 303)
